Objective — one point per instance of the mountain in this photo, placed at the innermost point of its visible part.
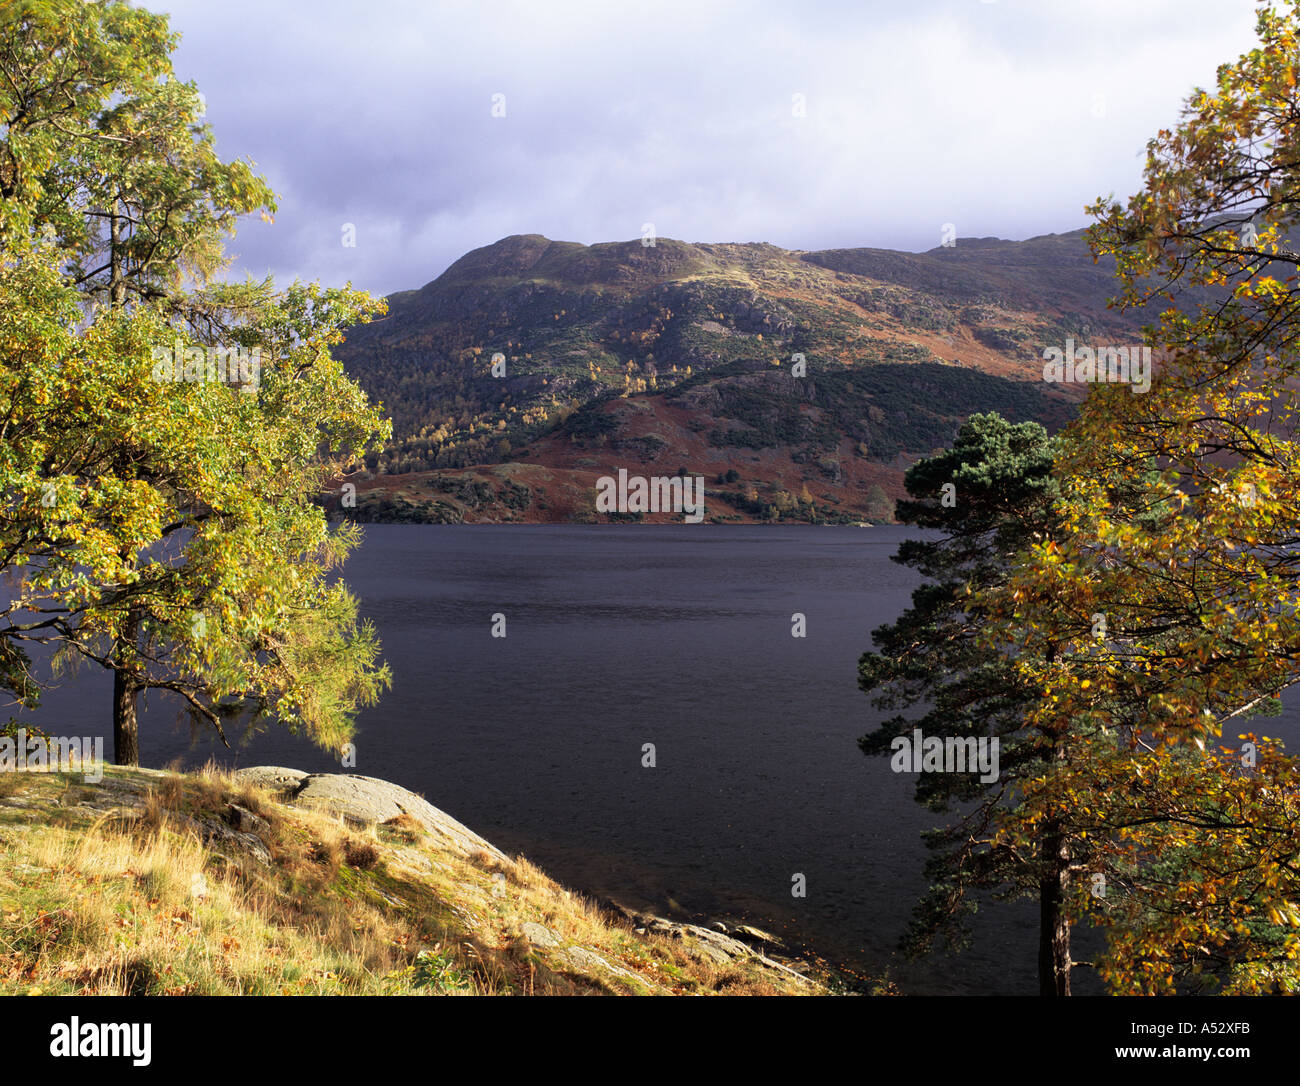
(682, 358)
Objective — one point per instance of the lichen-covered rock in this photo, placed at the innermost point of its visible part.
(539, 934)
(244, 820)
(274, 778)
(588, 960)
(218, 833)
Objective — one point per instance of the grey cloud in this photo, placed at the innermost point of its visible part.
(1003, 118)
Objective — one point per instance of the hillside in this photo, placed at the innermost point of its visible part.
(276, 882)
(680, 358)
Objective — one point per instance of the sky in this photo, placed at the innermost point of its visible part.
(434, 128)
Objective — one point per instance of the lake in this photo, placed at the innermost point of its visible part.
(620, 636)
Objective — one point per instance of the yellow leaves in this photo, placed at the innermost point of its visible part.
(1284, 914)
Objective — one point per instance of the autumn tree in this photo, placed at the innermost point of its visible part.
(166, 528)
(1164, 607)
(879, 505)
(103, 150)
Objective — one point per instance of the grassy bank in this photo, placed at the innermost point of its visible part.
(159, 883)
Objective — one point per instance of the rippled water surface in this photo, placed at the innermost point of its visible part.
(678, 636)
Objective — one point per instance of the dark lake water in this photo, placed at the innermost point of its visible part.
(678, 636)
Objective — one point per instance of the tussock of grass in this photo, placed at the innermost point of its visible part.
(163, 901)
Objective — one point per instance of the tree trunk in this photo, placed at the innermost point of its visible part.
(116, 278)
(1053, 926)
(126, 689)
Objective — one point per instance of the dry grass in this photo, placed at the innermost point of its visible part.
(162, 903)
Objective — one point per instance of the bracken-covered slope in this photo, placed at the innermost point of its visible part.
(685, 357)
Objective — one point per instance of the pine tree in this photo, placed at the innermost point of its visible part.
(999, 489)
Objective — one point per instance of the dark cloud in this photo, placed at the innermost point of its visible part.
(1000, 117)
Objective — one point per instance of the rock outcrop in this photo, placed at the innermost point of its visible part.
(367, 801)
(721, 942)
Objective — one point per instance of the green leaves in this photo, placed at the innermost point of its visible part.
(103, 152)
(165, 528)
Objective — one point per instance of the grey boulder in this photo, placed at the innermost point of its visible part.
(367, 801)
